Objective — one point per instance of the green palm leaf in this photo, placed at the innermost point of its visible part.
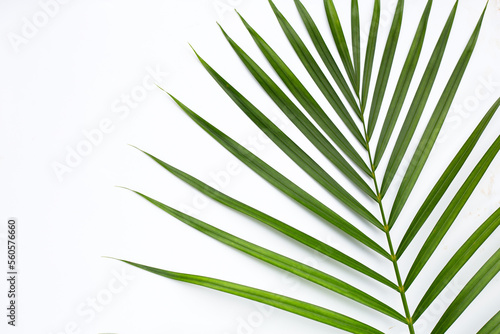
(282, 262)
(317, 75)
(356, 42)
(370, 54)
(385, 68)
(301, 308)
(326, 56)
(301, 121)
(280, 226)
(492, 326)
(403, 85)
(445, 181)
(434, 126)
(282, 183)
(305, 98)
(418, 104)
(489, 270)
(348, 96)
(457, 262)
(340, 41)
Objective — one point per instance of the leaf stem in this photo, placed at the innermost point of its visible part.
(394, 258)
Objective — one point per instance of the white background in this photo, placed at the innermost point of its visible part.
(69, 75)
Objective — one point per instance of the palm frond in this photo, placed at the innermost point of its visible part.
(350, 97)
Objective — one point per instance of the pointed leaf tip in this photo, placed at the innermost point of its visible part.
(164, 90)
(135, 147)
(160, 87)
(192, 48)
(126, 188)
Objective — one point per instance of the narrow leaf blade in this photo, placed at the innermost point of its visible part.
(403, 85)
(317, 75)
(326, 56)
(385, 67)
(356, 41)
(306, 100)
(418, 104)
(433, 127)
(451, 213)
(370, 54)
(282, 183)
(492, 326)
(295, 306)
(340, 41)
(292, 150)
(444, 182)
(457, 262)
(471, 290)
(274, 223)
(299, 269)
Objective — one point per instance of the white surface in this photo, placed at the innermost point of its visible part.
(71, 76)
